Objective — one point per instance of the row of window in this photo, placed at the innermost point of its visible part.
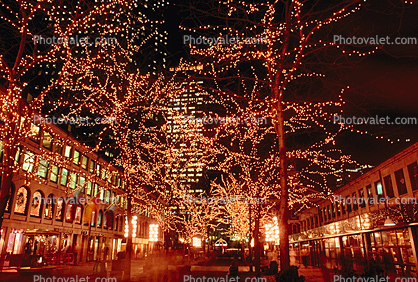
(358, 198)
(66, 178)
(65, 210)
(76, 156)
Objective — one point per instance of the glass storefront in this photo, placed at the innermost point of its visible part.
(392, 250)
(354, 252)
(15, 242)
(332, 251)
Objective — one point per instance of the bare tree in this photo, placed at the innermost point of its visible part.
(45, 48)
(270, 60)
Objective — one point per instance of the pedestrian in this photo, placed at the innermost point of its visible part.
(35, 249)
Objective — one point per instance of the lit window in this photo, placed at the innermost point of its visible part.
(49, 207)
(35, 132)
(54, 174)
(36, 204)
(67, 151)
(43, 168)
(73, 180)
(21, 201)
(28, 161)
(64, 177)
(76, 157)
(60, 207)
(84, 162)
(47, 140)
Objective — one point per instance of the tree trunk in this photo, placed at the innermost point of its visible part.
(128, 258)
(283, 213)
(10, 145)
(6, 185)
(9, 153)
(242, 251)
(250, 249)
(257, 246)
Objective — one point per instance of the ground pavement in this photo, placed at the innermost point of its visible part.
(163, 269)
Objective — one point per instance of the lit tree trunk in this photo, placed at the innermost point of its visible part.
(250, 249)
(257, 245)
(283, 212)
(242, 250)
(128, 258)
(10, 148)
(6, 184)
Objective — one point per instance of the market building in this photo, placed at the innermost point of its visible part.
(369, 223)
(68, 205)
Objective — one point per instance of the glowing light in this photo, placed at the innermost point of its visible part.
(153, 232)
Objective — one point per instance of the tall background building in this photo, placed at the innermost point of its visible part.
(184, 129)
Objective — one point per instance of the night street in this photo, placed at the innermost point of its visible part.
(209, 141)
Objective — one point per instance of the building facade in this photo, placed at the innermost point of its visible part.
(183, 129)
(67, 205)
(369, 223)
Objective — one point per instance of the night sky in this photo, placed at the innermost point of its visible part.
(383, 84)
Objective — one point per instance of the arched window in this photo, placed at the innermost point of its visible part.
(70, 211)
(21, 200)
(69, 214)
(99, 218)
(60, 209)
(78, 214)
(49, 207)
(37, 202)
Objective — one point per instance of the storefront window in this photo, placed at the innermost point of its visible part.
(392, 250)
(332, 253)
(15, 242)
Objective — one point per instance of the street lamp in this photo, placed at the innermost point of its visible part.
(272, 231)
(153, 232)
(134, 226)
(389, 222)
